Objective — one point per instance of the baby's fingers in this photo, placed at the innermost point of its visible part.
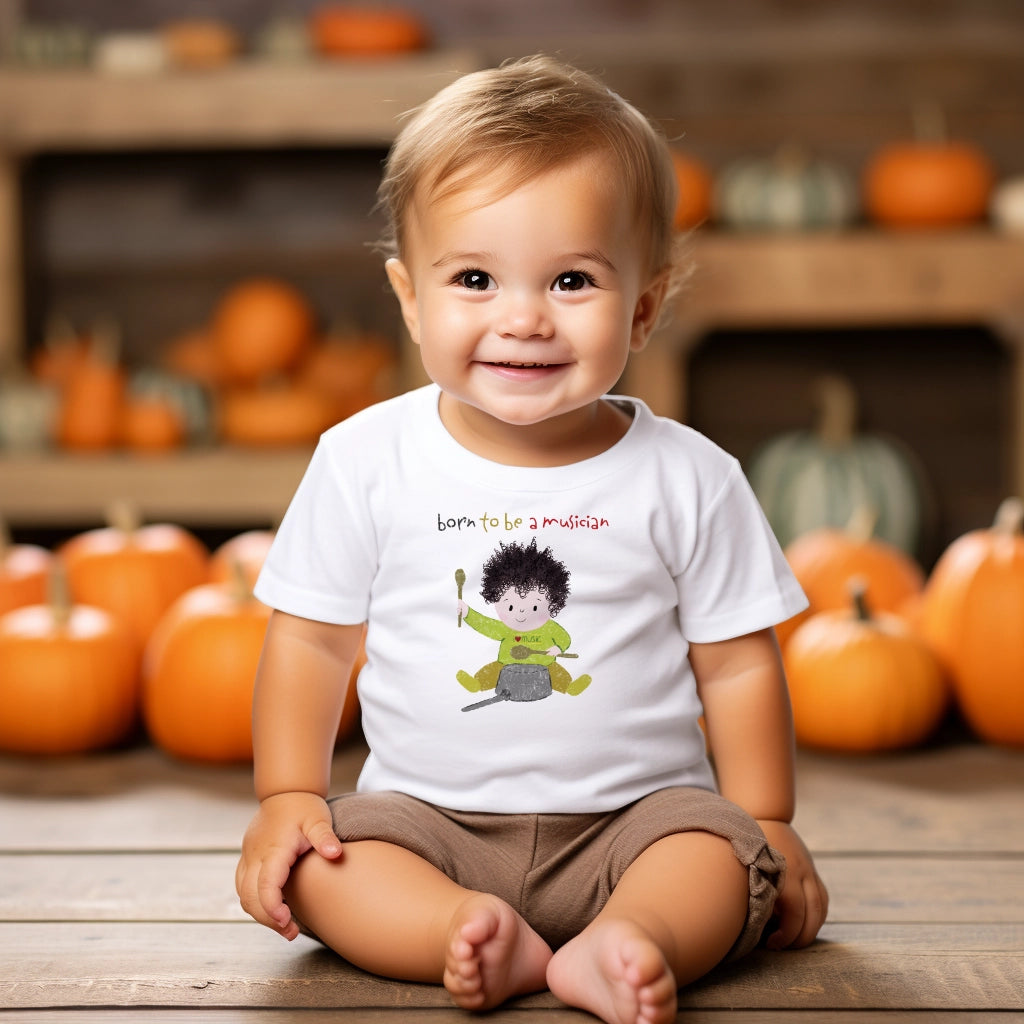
(322, 838)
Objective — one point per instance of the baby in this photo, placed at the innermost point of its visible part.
(581, 842)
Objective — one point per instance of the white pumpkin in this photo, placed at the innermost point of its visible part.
(807, 479)
(789, 190)
(1006, 207)
(28, 410)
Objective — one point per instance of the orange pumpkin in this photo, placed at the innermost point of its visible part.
(341, 30)
(24, 570)
(198, 674)
(275, 415)
(696, 187)
(928, 181)
(67, 679)
(825, 559)
(970, 613)
(351, 370)
(261, 327)
(860, 682)
(63, 350)
(89, 415)
(151, 423)
(193, 355)
(134, 571)
(245, 551)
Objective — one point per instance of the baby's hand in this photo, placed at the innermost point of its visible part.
(285, 827)
(802, 905)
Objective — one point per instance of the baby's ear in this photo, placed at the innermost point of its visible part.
(401, 284)
(648, 309)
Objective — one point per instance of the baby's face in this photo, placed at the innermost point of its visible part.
(524, 612)
(526, 306)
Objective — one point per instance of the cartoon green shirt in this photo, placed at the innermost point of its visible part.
(548, 635)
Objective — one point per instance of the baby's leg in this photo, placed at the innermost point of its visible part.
(385, 909)
(675, 913)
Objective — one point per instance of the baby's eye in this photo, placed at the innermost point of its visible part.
(475, 280)
(571, 281)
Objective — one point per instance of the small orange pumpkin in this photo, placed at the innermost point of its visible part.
(341, 30)
(92, 398)
(245, 551)
(825, 559)
(67, 678)
(930, 180)
(971, 610)
(863, 682)
(24, 571)
(696, 188)
(134, 571)
(352, 370)
(261, 327)
(193, 355)
(151, 423)
(274, 415)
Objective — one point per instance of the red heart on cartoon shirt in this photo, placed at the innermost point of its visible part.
(518, 638)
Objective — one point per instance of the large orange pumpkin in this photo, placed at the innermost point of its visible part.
(971, 613)
(24, 570)
(261, 327)
(134, 571)
(861, 682)
(199, 670)
(67, 679)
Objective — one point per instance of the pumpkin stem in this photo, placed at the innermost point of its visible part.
(837, 410)
(1009, 517)
(106, 342)
(858, 589)
(5, 539)
(58, 594)
(123, 516)
(239, 582)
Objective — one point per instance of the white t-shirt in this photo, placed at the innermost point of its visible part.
(663, 542)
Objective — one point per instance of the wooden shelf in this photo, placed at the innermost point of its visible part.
(210, 487)
(250, 103)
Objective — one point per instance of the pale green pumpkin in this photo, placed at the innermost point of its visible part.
(807, 479)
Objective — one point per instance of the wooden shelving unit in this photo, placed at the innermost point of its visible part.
(862, 277)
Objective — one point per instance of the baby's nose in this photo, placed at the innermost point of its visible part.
(524, 316)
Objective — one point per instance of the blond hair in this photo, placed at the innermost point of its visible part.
(527, 117)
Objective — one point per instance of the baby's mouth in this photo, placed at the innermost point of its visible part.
(524, 366)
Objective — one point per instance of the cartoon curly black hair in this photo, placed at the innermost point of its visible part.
(525, 568)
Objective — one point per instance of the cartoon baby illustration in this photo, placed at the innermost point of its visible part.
(526, 588)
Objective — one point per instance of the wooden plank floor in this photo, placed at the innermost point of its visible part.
(117, 903)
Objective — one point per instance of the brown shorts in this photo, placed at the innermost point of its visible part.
(557, 870)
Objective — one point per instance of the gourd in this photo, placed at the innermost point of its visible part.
(89, 415)
(696, 187)
(825, 559)
(24, 571)
(351, 370)
(67, 678)
(134, 571)
(28, 411)
(810, 478)
(929, 180)
(275, 415)
(1006, 206)
(789, 190)
(199, 670)
(341, 30)
(862, 681)
(971, 613)
(260, 328)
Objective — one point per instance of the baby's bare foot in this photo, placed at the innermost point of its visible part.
(492, 954)
(615, 970)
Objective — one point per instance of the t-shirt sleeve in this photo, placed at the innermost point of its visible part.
(736, 580)
(323, 558)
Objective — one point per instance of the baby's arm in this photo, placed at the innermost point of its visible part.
(750, 734)
(299, 693)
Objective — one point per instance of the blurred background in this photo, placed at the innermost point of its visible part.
(170, 171)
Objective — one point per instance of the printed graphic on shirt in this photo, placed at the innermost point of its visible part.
(526, 588)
